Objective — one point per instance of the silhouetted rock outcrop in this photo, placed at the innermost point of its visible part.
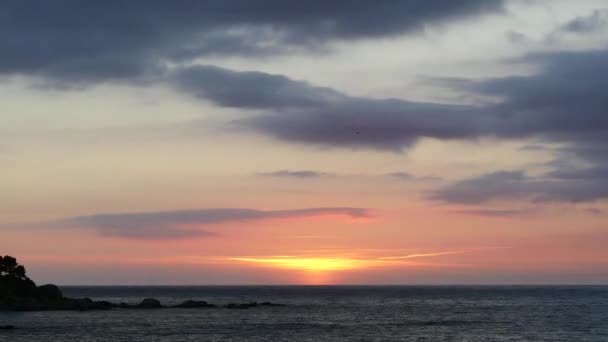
(13, 281)
(20, 293)
(192, 304)
(271, 304)
(49, 292)
(241, 306)
(149, 303)
(250, 305)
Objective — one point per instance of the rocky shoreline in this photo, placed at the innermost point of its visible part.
(20, 293)
(87, 304)
(50, 298)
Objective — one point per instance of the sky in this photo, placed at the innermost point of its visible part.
(305, 142)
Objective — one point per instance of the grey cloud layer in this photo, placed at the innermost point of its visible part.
(565, 184)
(70, 40)
(597, 20)
(564, 100)
(179, 224)
(566, 103)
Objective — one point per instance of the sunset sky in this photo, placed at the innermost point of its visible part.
(305, 142)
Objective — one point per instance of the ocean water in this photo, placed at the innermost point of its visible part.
(330, 313)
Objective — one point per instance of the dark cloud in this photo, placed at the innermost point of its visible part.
(592, 23)
(497, 185)
(75, 41)
(547, 105)
(365, 123)
(252, 89)
(598, 19)
(506, 185)
(594, 211)
(564, 103)
(304, 174)
(185, 223)
(406, 176)
(401, 175)
(516, 37)
(533, 148)
(581, 173)
(310, 174)
(299, 112)
(429, 179)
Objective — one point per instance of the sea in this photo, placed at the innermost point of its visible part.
(328, 313)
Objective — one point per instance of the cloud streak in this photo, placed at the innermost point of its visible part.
(186, 223)
(406, 176)
(300, 174)
(499, 213)
(420, 255)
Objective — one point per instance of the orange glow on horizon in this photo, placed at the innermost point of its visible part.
(308, 264)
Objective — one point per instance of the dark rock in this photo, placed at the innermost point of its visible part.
(250, 305)
(149, 303)
(241, 306)
(190, 304)
(35, 304)
(49, 292)
(19, 293)
(102, 305)
(86, 304)
(271, 304)
(7, 327)
(23, 304)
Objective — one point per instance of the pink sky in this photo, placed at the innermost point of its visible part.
(454, 143)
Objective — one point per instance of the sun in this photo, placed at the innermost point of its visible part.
(307, 264)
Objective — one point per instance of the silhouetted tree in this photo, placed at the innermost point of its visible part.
(13, 279)
(9, 268)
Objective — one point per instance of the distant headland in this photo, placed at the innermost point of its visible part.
(19, 293)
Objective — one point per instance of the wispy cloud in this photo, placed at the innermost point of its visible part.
(594, 211)
(419, 255)
(401, 175)
(494, 212)
(302, 174)
(406, 176)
